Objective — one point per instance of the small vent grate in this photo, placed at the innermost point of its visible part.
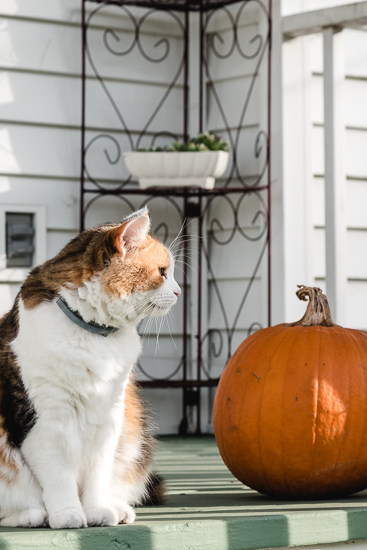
(20, 235)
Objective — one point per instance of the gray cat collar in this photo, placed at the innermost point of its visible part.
(77, 319)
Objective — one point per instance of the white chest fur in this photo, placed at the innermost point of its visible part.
(71, 373)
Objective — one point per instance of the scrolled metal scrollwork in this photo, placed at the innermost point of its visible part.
(112, 43)
(261, 214)
(258, 39)
(112, 158)
(158, 43)
(98, 197)
(259, 43)
(174, 373)
(215, 37)
(232, 226)
(111, 33)
(254, 327)
(214, 224)
(238, 227)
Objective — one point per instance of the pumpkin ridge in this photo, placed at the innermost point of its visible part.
(224, 382)
(354, 338)
(217, 417)
(273, 352)
(284, 433)
(316, 406)
(348, 339)
(278, 343)
(221, 421)
(345, 431)
(325, 374)
(262, 469)
(322, 378)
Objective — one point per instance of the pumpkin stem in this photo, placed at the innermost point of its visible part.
(317, 312)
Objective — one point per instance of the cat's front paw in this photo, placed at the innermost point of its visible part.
(69, 518)
(125, 513)
(33, 517)
(30, 517)
(101, 516)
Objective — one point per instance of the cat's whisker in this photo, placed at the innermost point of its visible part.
(187, 265)
(180, 254)
(170, 328)
(178, 234)
(140, 317)
(132, 308)
(179, 240)
(183, 262)
(145, 312)
(179, 244)
(156, 339)
(146, 333)
(162, 319)
(185, 224)
(180, 270)
(185, 239)
(149, 323)
(153, 320)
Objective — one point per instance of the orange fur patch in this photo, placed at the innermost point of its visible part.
(134, 433)
(138, 270)
(8, 466)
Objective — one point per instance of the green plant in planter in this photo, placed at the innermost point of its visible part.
(203, 142)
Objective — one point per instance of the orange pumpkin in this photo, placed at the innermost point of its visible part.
(290, 412)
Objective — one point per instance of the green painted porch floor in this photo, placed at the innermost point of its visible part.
(208, 509)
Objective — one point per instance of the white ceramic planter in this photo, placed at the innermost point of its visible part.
(176, 169)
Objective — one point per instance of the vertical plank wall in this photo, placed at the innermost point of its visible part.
(304, 169)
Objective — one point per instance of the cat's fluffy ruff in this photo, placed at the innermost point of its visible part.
(75, 449)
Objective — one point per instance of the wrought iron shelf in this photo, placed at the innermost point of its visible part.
(181, 191)
(200, 345)
(178, 5)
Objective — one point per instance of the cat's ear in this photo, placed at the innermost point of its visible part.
(132, 230)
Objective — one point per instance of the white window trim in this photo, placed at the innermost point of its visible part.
(18, 274)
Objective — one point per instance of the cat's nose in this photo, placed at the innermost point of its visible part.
(177, 291)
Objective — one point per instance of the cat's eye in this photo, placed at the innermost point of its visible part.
(162, 271)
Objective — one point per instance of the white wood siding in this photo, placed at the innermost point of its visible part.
(39, 116)
(303, 97)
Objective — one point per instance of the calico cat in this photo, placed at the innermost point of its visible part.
(75, 449)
